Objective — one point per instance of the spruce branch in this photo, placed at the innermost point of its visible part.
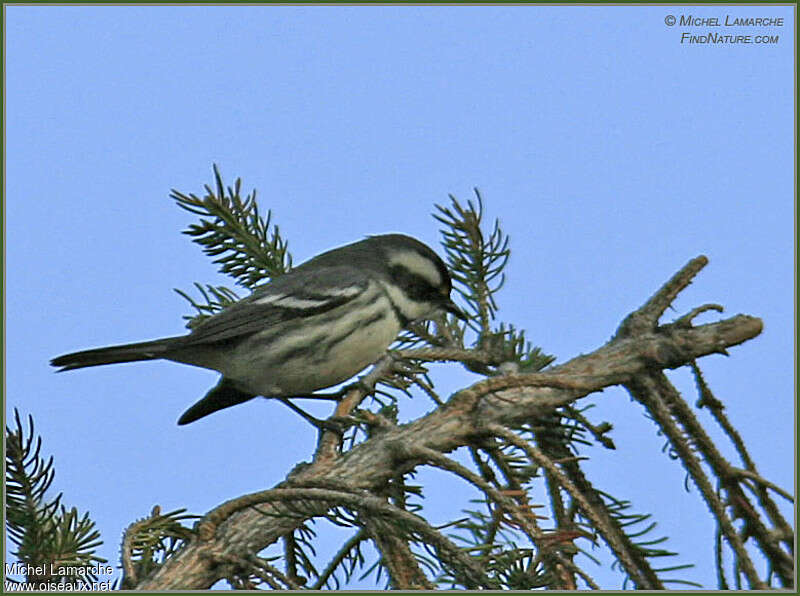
(520, 422)
(635, 565)
(246, 246)
(263, 570)
(762, 482)
(476, 260)
(514, 513)
(308, 502)
(216, 298)
(631, 524)
(519, 395)
(248, 571)
(464, 417)
(397, 558)
(45, 533)
(299, 552)
(598, 431)
(708, 399)
(28, 476)
(348, 557)
(649, 390)
(149, 541)
(780, 559)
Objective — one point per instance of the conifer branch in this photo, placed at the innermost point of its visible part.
(464, 417)
(300, 501)
(635, 566)
(360, 480)
(245, 245)
(349, 555)
(476, 261)
(742, 507)
(709, 400)
(147, 542)
(58, 543)
(648, 391)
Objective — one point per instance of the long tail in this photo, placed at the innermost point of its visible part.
(146, 350)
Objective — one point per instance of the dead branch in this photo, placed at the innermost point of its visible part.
(640, 347)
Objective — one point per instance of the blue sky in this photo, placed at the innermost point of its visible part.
(611, 153)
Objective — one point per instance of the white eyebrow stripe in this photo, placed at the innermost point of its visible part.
(418, 265)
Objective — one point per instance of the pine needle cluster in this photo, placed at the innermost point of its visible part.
(57, 546)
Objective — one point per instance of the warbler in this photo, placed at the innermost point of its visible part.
(311, 328)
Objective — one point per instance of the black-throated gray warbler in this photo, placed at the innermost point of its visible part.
(314, 327)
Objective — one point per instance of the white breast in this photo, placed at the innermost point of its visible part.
(296, 363)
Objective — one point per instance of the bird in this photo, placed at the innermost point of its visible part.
(311, 328)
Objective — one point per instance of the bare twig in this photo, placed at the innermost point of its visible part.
(646, 318)
(763, 482)
(446, 354)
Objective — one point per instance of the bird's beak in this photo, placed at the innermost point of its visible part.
(451, 307)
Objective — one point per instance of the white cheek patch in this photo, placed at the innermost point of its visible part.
(418, 265)
(410, 309)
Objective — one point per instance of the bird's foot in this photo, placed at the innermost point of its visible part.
(335, 424)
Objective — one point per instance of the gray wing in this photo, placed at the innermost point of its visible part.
(299, 293)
